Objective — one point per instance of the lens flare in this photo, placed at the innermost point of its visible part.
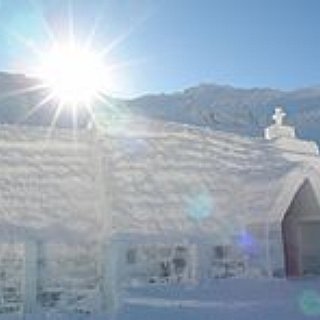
(200, 205)
(309, 303)
(73, 74)
(68, 72)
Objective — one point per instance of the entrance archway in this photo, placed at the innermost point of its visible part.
(301, 233)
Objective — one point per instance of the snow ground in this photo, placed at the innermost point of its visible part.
(227, 299)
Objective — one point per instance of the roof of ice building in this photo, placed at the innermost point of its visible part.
(177, 178)
(145, 177)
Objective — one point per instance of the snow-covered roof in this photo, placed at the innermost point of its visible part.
(177, 178)
(148, 177)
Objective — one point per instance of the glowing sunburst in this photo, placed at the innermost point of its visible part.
(74, 75)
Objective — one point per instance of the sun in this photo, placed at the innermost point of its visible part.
(73, 74)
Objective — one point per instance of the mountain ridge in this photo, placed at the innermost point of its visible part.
(244, 111)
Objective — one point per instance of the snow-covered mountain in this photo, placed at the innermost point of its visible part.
(242, 111)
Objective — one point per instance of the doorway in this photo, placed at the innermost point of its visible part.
(301, 233)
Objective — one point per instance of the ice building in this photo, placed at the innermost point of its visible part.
(144, 202)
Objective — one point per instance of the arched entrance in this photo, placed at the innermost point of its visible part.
(301, 233)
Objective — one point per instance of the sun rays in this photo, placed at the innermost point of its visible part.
(74, 75)
(70, 75)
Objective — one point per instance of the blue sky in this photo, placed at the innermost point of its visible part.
(168, 45)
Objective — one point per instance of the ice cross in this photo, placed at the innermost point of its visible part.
(278, 116)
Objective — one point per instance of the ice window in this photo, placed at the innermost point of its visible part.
(131, 256)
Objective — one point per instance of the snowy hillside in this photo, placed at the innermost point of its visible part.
(23, 101)
(242, 111)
